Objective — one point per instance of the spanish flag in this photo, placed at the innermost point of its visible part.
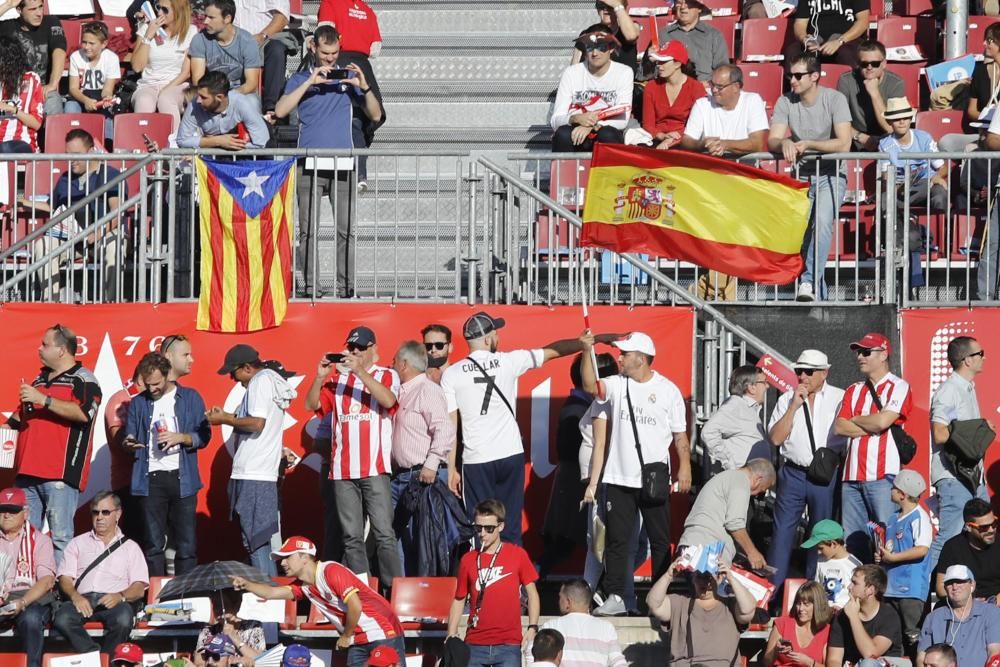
(246, 243)
(718, 214)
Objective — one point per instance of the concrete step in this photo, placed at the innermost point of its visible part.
(471, 43)
(477, 67)
(460, 115)
(488, 19)
(479, 91)
(534, 137)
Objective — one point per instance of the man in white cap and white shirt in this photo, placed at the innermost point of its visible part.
(482, 388)
(648, 407)
(970, 626)
(801, 423)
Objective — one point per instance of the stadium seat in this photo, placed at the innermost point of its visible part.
(40, 178)
(291, 610)
(976, 35)
(765, 79)
(47, 658)
(315, 620)
(129, 129)
(830, 74)
(119, 34)
(56, 128)
(724, 7)
(939, 123)
(910, 74)
(423, 602)
(13, 660)
(898, 31)
(71, 29)
(646, 31)
(912, 7)
(568, 182)
(551, 238)
(791, 588)
(727, 26)
(966, 234)
(764, 39)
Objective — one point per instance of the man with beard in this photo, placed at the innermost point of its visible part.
(222, 47)
(437, 342)
(975, 547)
(220, 118)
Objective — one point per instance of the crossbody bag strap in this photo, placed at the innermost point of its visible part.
(97, 561)
(635, 429)
(871, 390)
(688, 638)
(809, 426)
(496, 387)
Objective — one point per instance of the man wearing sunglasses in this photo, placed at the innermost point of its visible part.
(107, 591)
(867, 88)
(437, 342)
(954, 400)
(731, 121)
(976, 547)
(362, 397)
(735, 434)
(801, 423)
(872, 456)
(614, 18)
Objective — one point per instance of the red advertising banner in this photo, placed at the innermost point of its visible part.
(925, 337)
(112, 338)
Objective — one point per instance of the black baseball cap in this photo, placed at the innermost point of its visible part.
(481, 324)
(361, 336)
(237, 356)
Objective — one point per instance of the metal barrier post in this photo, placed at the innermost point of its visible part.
(471, 259)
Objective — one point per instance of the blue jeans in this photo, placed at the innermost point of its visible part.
(952, 496)
(795, 492)
(861, 502)
(408, 554)
(30, 625)
(357, 655)
(986, 272)
(261, 559)
(52, 500)
(826, 193)
(499, 655)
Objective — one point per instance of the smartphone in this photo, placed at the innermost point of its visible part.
(8, 608)
(339, 74)
(334, 357)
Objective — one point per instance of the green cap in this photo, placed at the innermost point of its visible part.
(824, 531)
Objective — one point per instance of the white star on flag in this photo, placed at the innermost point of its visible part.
(251, 184)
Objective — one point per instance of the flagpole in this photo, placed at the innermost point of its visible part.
(586, 322)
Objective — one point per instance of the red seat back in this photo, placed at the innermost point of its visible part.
(898, 31)
(423, 597)
(765, 79)
(764, 39)
(940, 123)
(56, 128)
(830, 74)
(791, 588)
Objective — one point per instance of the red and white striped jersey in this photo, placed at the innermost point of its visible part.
(30, 100)
(872, 457)
(362, 429)
(335, 584)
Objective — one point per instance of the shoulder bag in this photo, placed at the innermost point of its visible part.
(905, 444)
(825, 461)
(655, 488)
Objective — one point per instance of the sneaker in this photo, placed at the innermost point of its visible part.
(613, 606)
(805, 293)
(362, 187)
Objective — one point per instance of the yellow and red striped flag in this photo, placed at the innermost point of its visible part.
(246, 243)
(718, 214)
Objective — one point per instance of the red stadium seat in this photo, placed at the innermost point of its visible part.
(646, 30)
(727, 26)
(13, 660)
(724, 7)
(47, 658)
(898, 31)
(56, 128)
(910, 74)
(830, 74)
(791, 588)
(765, 79)
(764, 39)
(40, 178)
(976, 35)
(426, 601)
(128, 137)
(940, 123)
(568, 181)
(71, 28)
(316, 620)
(119, 34)
(912, 7)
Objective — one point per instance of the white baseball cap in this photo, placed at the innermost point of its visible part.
(636, 342)
(958, 573)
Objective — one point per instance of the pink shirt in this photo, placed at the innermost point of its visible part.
(45, 561)
(422, 432)
(115, 573)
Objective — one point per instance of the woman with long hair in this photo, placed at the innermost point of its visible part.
(800, 639)
(161, 56)
(22, 102)
(667, 102)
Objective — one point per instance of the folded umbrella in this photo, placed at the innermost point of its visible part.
(210, 577)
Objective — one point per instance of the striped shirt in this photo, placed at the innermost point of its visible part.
(335, 584)
(362, 429)
(872, 457)
(422, 432)
(31, 100)
(590, 641)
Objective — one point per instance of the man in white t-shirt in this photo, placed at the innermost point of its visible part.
(166, 427)
(482, 388)
(729, 122)
(647, 405)
(258, 424)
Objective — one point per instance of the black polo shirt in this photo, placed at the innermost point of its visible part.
(984, 563)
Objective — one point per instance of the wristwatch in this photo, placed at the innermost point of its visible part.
(48, 402)
(533, 626)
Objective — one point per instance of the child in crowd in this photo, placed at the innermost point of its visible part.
(94, 71)
(908, 538)
(835, 566)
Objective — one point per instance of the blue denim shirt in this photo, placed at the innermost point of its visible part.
(189, 408)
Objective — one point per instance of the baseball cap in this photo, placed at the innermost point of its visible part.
(672, 51)
(636, 342)
(958, 573)
(295, 545)
(826, 530)
(812, 359)
(12, 499)
(993, 661)
(695, 4)
(910, 482)
(599, 36)
(128, 652)
(870, 341)
(481, 324)
(296, 655)
(236, 357)
(361, 336)
(220, 644)
(383, 656)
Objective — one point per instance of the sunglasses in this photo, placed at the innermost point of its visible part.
(479, 527)
(351, 347)
(865, 352)
(102, 512)
(603, 48)
(170, 340)
(435, 346)
(981, 353)
(805, 371)
(983, 527)
(870, 64)
(797, 76)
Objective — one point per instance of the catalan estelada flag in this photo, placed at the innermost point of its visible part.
(718, 214)
(246, 243)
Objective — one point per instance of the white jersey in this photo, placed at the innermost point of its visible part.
(258, 455)
(489, 427)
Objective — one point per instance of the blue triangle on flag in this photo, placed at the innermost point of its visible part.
(251, 183)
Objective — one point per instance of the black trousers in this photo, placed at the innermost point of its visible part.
(623, 509)
(562, 140)
(275, 61)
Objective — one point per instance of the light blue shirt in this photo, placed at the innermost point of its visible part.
(198, 123)
(954, 399)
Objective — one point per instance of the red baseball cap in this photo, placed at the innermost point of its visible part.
(295, 545)
(993, 661)
(129, 653)
(871, 341)
(383, 656)
(672, 51)
(13, 497)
